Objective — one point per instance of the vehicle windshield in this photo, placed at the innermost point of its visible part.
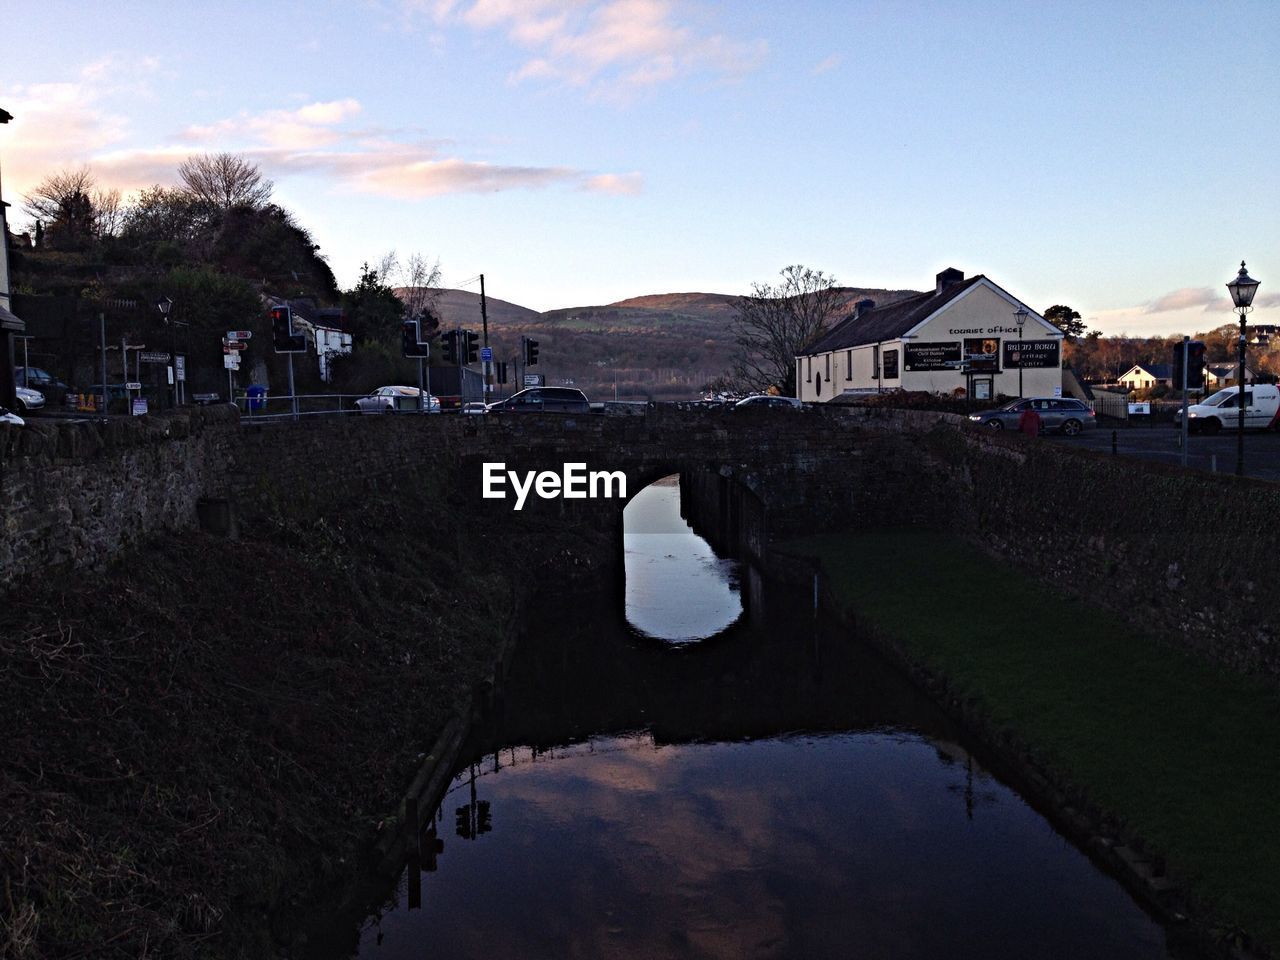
(1221, 398)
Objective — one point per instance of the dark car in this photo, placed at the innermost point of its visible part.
(41, 380)
(764, 401)
(1064, 414)
(544, 400)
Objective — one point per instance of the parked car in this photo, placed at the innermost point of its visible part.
(475, 406)
(544, 400)
(29, 399)
(1064, 414)
(764, 401)
(395, 400)
(1222, 409)
(11, 418)
(44, 381)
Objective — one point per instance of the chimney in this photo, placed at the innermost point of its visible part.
(862, 306)
(947, 277)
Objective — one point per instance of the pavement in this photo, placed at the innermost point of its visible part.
(1160, 442)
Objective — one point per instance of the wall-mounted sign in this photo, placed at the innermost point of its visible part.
(153, 356)
(1031, 354)
(891, 364)
(943, 355)
(983, 354)
(180, 365)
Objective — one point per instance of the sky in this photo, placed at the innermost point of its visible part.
(1120, 158)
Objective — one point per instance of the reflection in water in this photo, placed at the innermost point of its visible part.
(666, 559)
(776, 792)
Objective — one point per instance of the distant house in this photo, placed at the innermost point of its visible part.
(1261, 334)
(961, 338)
(1219, 375)
(1145, 376)
(322, 327)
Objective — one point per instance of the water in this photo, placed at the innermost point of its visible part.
(773, 790)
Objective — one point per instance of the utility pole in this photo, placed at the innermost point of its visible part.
(488, 364)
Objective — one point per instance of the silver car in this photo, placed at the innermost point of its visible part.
(395, 400)
(1064, 414)
(29, 399)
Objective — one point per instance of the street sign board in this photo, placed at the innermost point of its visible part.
(486, 354)
(239, 334)
(231, 361)
(535, 379)
(133, 386)
(233, 345)
(180, 366)
(154, 356)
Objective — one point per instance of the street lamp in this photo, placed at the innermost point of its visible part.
(164, 305)
(1020, 317)
(1242, 288)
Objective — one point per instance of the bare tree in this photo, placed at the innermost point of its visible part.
(56, 191)
(71, 209)
(777, 321)
(225, 180)
(108, 212)
(416, 282)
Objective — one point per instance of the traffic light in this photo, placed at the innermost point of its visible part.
(530, 352)
(1195, 365)
(450, 341)
(501, 371)
(472, 341)
(409, 342)
(462, 823)
(484, 817)
(283, 339)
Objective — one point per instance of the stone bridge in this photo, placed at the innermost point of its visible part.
(72, 494)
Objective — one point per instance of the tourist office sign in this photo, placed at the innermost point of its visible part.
(1031, 354)
(944, 355)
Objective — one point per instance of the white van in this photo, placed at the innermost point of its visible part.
(1221, 410)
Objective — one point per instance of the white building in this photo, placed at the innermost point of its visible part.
(960, 339)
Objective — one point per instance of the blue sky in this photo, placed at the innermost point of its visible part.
(1120, 158)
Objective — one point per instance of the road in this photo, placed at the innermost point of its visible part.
(1160, 442)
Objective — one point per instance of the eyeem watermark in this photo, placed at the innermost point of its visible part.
(572, 483)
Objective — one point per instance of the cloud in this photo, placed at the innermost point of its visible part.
(66, 124)
(606, 45)
(830, 63)
(1184, 299)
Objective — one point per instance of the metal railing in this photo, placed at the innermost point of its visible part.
(268, 407)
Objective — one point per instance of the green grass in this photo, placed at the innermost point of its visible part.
(1187, 755)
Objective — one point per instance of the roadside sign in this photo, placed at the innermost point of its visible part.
(231, 361)
(133, 386)
(138, 407)
(239, 334)
(233, 345)
(180, 366)
(486, 354)
(153, 356)
(535, 379)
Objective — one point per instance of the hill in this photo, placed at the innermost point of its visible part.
(660, 346)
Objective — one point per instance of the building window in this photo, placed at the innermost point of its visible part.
(891, 364)
(848, 364)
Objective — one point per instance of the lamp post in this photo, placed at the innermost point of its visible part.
(1020, 317)
(1242, 288)
(164, 305)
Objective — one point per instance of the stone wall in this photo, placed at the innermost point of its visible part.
(1154, 543)
(73, 493)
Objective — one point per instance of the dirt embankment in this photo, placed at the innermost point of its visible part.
(209, 732)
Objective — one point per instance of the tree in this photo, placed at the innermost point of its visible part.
(374, 312)
(73, 212)
(225, 180)
(777, 321)
(418, 287)
(1066, 320)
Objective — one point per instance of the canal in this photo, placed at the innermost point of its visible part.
(706, 770)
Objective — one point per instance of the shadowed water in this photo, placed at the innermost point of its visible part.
(774, 791)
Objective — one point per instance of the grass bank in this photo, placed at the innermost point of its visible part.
(1182, 754)
(205, 736)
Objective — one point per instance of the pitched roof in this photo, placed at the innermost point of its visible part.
(1160, 371)
(888, 322)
